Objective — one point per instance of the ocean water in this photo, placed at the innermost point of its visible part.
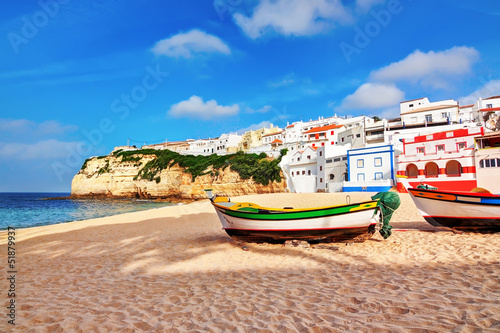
(22, 210)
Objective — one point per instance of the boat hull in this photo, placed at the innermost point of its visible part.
(331, 226)
(458, 210)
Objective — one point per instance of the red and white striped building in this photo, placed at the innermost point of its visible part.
(444, 160)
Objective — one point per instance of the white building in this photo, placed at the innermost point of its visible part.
(201, 147)
(293, 136)
(370, 169)
(301, 171)
(488, 110)
(422, 112)
(227, 143)
(322, 135)
(331, 168)
(487, 159)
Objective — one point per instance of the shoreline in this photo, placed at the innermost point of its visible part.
(174, 269)
(414, 220)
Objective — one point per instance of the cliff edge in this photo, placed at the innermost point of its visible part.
(159, 174)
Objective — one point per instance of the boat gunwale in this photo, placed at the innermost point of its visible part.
(279, 215)
(292, 210)
(457, 200)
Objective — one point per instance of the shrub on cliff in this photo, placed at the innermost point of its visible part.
(247, 166)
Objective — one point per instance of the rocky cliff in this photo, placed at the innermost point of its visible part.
(109, 176)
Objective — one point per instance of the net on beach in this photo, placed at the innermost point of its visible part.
(389, 202)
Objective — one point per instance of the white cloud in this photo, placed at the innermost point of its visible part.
(286, 81)
(292, 17)
(254, 127)
(42, 150)
(365, 5)
(489, 89)
(263, 109)
(433, 69)
(373, 96)
(24, 127)
(186, 44)
(195, 107)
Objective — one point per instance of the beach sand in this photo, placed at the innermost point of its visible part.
(174, 269)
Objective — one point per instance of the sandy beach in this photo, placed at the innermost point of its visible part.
(174, 269)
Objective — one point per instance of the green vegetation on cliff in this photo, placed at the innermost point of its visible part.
(258, 167)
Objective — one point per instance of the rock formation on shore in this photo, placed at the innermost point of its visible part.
(111, 176)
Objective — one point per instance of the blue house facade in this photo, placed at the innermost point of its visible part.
(370, 169)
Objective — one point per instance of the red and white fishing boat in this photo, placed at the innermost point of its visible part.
(474, 210)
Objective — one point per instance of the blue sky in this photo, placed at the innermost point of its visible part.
(80, 77)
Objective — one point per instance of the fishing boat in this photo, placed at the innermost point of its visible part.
(474, 210)
(250, 222)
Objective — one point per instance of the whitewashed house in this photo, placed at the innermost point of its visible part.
(323, 135)
(428, 114)
(487, 161)
(370, 169)
(301, 171)
(331, 168)
(227, 143)
(201, 147)
(489, 113)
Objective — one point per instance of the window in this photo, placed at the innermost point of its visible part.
(428, 118)
(444, 115)
(379, 176)
(411, 105)
(489, 106)
(358, 135)
(344, 158)
(378, 161)
(412, 171)
(461, 145)
(431, 170)
(308, 172)
(420, 150)
(439, 148)
(341, 139)
(308, 157)
(361, 177)
(490, 163)
(332, 176)
(303, 172)
(336, 159)
(361, 163)
(321, 180)
(453, 168)
(320, 168)
(320, 153)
